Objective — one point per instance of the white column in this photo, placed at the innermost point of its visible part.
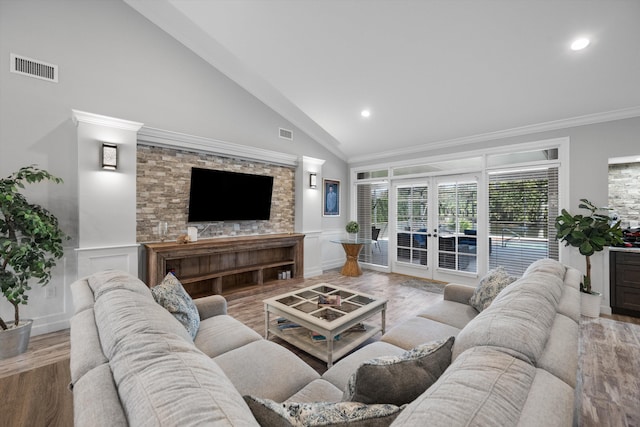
(309, 213)
(106, 198)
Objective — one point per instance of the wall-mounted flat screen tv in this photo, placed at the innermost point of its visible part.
(229, 196)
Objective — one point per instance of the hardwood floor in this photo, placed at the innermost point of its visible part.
(33, 387)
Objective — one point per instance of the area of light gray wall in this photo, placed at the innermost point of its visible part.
(113, 62)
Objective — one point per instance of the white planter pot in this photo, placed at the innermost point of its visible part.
(590, 304)
(14, 341)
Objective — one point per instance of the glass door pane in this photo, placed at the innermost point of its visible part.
(373, 217)
(412, 224)
(457, 224)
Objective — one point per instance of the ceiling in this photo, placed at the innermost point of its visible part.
(432, 73)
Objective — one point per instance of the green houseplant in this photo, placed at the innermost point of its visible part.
(352, 227)
(30, 242)
(589, 233)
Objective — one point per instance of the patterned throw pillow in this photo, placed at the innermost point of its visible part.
(352, 414)
(398, 380)
(489, 287)
(171, 295)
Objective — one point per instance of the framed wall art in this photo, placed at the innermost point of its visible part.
(331, 197)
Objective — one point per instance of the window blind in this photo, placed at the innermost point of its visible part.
(373, 216)
(523, 206)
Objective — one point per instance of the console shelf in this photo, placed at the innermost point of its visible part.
(225, 265)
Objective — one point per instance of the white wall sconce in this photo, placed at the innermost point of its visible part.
(109, 156)
(313, 180)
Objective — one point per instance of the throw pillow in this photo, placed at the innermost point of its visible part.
(352, 414)
(400, 379)
(171, 295)
(489, 287)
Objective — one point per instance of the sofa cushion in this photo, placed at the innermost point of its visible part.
(489, 287)
(416, 331)
(171, 295)
(164, 380)
(107, 280)
(270, 413)
(482, 387)
(120, 312)
(82, 295)
(450, 313)
(546, 265)
(560, 354)
(97, 386)
(86, 352)
(518, 321)
(551, 397)
(340, 373)
(399, 379)
(265, 369)
(569, 304)
(222, 333)
(319, 390)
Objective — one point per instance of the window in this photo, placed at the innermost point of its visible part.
(523, 206)
(373, 217)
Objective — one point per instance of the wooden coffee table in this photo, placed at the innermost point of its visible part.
(326, 332)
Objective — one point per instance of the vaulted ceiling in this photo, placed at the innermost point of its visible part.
(431, 72)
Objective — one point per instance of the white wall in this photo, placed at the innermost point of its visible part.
(112, 62)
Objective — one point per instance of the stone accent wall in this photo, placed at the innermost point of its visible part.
(163, 180)
(624, 192)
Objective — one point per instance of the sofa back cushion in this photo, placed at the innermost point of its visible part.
(518, 321)
(483, 387)
(120, 312)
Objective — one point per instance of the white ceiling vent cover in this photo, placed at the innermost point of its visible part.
(34, 68)
(286, 134)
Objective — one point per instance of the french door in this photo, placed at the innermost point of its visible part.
(436, 226)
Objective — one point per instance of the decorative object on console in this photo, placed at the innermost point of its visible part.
(192, 232)
(590, 234)
(163, 229)
(270, 413)
(183, 239)
(400, 379)
(171, 295)
(489, 287)
(30, 244)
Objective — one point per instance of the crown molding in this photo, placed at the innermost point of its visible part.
(170, 139)
(100, 120)
(588, 119)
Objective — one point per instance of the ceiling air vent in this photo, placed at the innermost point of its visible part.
(286, 134)
(34, 68)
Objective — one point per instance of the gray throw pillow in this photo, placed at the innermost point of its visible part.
(352, 414)
(489, 288)
(398, 380)
(171, 295)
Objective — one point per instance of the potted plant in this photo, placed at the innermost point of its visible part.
(589, 233)
(30, 244)
(352, 228)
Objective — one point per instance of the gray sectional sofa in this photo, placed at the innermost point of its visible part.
(132, 363)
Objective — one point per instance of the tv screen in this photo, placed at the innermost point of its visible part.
(229, 196)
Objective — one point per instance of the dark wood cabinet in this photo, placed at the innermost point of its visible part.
(624, 279)
(225, 265)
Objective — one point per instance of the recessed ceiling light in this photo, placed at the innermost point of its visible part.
(579, 44)
(365, 113)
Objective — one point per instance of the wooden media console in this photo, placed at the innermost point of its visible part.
(224, 265)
